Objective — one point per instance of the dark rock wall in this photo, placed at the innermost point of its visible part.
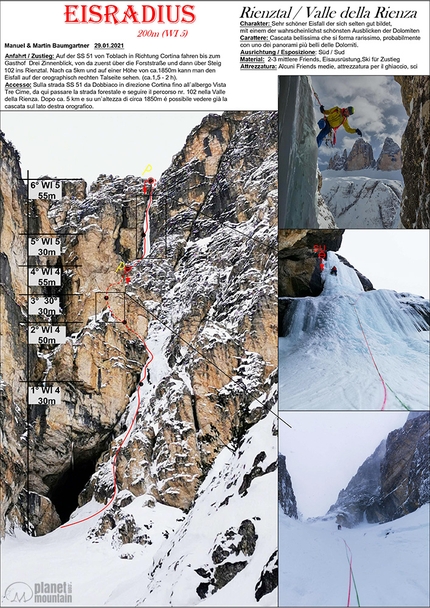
(390, 158)
(394, 481)
(405, 473)
(361, 157)
(297, 260)
(415, 209)
(286, 497)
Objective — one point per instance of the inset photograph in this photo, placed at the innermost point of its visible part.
(353, 152)
(353, 319)
(354, 509)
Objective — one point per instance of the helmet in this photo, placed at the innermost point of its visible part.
(350, 109)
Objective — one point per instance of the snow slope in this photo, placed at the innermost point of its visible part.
(325, 361)
(174, 580)
(107, 572)
(358, 201)
(97, 567)
(369, 172)
(390, 562)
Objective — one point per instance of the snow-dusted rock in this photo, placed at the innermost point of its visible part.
(360, 156)
(337, 162)
(393, 481)
(390, 158)
(286, 497)
(363, 202)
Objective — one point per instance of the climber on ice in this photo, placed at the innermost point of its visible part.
(334, 118)
(334, 271)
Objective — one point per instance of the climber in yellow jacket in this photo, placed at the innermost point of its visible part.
(335, 117)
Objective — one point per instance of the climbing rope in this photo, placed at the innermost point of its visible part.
(385, 384)
(330, 138)
(398, 398)
(351, 575)
(373, 359)
(333, 132)
(126, 268)
(348, 602)
(316, 96)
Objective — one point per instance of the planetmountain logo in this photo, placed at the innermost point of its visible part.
(43, 593)
(18, 592)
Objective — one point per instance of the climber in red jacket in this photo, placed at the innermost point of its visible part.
(334, 271)
(334, 118)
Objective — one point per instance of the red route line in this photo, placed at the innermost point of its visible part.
(323, 267)
(374, 362)
(350, 571)
(143, 377)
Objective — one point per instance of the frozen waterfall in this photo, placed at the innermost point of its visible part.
(297, 154)
(325, 362)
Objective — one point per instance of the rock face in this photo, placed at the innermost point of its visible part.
(298, 261)
(269, 577)
(390, 158)
(299, 273)
(193, 299)
(360, 494)
(13, 340)
(415, 210)
(394, 481)
(337, 162)
(405, 471)
(231, 544)
(203, 302)
(360, 157)
(286, 497)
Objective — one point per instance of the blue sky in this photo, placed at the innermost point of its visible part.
(379, 111)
